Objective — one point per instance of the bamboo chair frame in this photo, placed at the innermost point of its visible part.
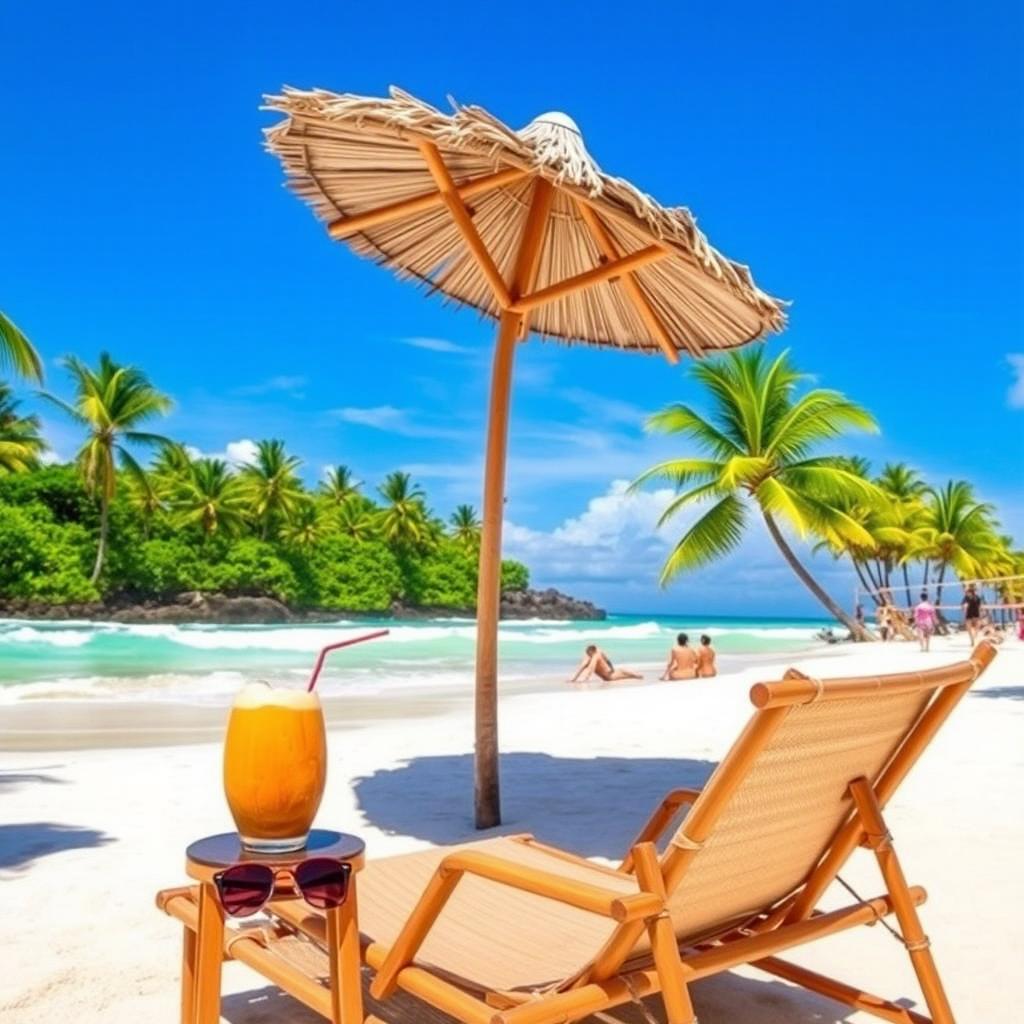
(615, 976)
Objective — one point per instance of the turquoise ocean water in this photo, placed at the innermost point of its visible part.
(204, 663)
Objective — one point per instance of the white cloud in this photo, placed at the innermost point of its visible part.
(395, 421)
(613, 551)
(236, 453)
(1015, 395)
(602, 409)
(288, 385)
(49, 457)
(614, 539)
(438, 345)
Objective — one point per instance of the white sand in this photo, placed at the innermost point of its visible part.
(88, 836)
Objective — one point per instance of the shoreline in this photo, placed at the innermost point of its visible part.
(54, 724)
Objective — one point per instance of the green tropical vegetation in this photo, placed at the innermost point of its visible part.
(137, 516)
(758, 451)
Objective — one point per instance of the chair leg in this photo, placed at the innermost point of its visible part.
(672, 975)
(188, 976)
(918, 945)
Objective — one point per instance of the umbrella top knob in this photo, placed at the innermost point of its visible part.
(556, 117)
(557, 143)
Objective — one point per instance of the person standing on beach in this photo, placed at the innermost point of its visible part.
(925, 620)
(706, 658)
(596, 663)
(682, 660)
(972, 607)
(882, 617)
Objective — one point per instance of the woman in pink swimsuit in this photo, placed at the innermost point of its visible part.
(925, 620)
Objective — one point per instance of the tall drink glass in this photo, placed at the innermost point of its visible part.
(275, 766)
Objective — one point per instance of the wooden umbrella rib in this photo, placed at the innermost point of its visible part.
(346, 226)
(464, 222)
(614, 268)
(631, 286)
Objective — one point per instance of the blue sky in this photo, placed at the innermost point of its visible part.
(865, 160)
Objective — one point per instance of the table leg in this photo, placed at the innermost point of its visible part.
(188, 976)
(343, 947)
(209, 955)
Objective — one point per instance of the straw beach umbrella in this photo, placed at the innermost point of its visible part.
(526, 228)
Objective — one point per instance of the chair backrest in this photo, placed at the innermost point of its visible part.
(777, 803)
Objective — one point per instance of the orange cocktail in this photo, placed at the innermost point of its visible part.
(275, 766)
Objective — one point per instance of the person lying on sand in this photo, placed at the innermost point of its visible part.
(596, 663)
(706, 658)
(682, 660)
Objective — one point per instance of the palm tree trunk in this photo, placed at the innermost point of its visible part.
(101, 551)
(906, 586)
(943, 625)
(858, 631)
(865, 583)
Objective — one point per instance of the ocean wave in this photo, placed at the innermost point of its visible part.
(52, 637)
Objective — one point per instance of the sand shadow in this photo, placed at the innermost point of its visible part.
(14, 779)
(24, 842)
(593, 806)
(723, 999)
(1001, 693)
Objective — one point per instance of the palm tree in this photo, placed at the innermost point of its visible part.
(212, 498)
(110, 402)
(757, 444)
(339, 485)
(306, 526)
(404, 521)
(957, 532)
(17, 352)
(145, 495)
(20, 441)
(359, 519)
(901, 516)
(272, 485)
(465, 527)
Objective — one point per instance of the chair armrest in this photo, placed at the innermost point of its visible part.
(449, 873)
(659, 821)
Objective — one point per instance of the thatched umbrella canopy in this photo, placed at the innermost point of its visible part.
(525, 227)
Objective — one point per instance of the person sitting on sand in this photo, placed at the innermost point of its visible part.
(682, 660)
(596, 663)
(706, 658)
(925, 620)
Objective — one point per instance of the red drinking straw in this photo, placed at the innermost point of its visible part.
(333, 647)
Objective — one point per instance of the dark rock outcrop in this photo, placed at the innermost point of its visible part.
(221, 609)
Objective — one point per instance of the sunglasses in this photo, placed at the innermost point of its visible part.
(245, 889)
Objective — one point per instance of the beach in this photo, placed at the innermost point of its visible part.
(91, 829)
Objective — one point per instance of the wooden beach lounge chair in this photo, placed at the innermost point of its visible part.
(510, 931)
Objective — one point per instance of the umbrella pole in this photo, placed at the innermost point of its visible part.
(487, 803)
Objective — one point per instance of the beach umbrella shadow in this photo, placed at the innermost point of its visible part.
(23, 842)
(593, 806)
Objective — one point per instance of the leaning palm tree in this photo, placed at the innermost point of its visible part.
(212, 498)
(339, 485)
(272, 485)
(404, 520)
(110, 402)
(17, 353)
(20, 440)
(757, 444)
(465, 527)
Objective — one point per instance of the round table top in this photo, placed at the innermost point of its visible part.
(221, 851)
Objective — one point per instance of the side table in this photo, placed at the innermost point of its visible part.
(204, 947)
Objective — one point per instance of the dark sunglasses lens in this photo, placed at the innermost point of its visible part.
(245, 888)
(323, 882)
